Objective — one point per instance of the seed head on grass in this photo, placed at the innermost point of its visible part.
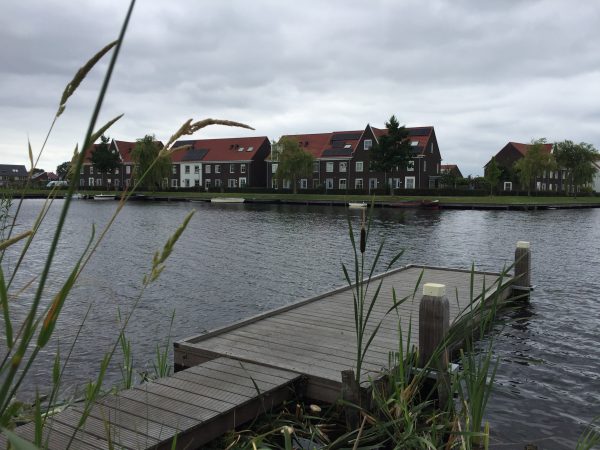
(80, 75)
(189, 128)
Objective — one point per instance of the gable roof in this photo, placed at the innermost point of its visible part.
(418, 135)
(217, 150)
(524, 148)
(336, 144)
(13, 170)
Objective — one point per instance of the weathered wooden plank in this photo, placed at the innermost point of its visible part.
(246, 369)
(223, 397)
(231, 379)
(57, 436)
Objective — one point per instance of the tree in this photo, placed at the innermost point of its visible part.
(294, 163)
(103, 158)
(152, 165)
(392, 150)
(533, 164)
(62, 170)
(492, 174)
(577, 160)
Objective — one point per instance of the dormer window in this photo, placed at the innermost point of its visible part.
(347, 146)
(414, 143)
(241, 149)
(250, 149)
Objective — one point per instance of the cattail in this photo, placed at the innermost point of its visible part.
(363, 234)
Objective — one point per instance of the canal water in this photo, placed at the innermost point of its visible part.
(234, 261)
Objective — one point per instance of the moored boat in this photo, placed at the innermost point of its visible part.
(104, 197)
(431, 204)
(227, 200)
(357, 204)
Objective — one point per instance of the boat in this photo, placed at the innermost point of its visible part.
(431, 204)
(104, 197)
(407, 204)
(77, 196)
(357, 204)
(227, 200)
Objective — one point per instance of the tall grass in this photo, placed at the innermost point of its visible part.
(25, 339)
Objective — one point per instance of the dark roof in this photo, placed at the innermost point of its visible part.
(13, 170)
(524, 148)
(194, 154)
(337, 152)
(218, 150)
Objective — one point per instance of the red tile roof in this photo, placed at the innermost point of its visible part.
(524, 148)
(125, 148)
(318, 144)
(227, 149)
(448, 167)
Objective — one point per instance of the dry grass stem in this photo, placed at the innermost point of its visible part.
(105, 127)
(80, 75)
(7, 243)
(189, 128)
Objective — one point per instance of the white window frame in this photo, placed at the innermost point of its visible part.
(368, 144)
(287, 184)
(359, 166)
(116, 171)
(196, 182)
(187, 182)
(207, 169)
(187, 169)
(316, 167)
(303, 183)
(508, 185)
(197, 170)
(358, 183)
(373, 183)
(424, 165)
(218, 182)
(174, 171)
(91, 170)
(329, 167)
(207, 183)
(274, 167)
(217, 168)
(329, 183)
(407, 183)
(174, 182)
(91, 181)
(231, 168)
(128, 170)
(232, 182)
(243, 182)
(242, 168)
(343, 166)
(410, 167)
(344, 182)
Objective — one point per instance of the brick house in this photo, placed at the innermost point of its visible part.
(342, 161)
(119, 178)
(220, 163)
(452, 169)
(13, 175)
(551, 180)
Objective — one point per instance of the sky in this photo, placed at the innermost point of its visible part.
(481, 73)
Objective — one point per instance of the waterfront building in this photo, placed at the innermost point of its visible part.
(13, 175)
(342, 161)
(91, 177)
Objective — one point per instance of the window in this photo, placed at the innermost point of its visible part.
(329, 167)
(231, 168)
(368, 144)
(343, 185)
(116, 171)
(372, 183)
(316, 167)
(329, 183)
(424, 166)
(81, 182)
(287, 184)
(187, 169)
(274, 183)
(397, 183)
(196, 169)
(217, 168)
(196, 183)
(358, 183)
(207, 183)
(414, 143)
(98, 181)
(174, 183)
(218, 182)
(242, 168)
(91, 170)
(187, 182)
(81, 170)
(409, 182)
(359, 166)
(243, 182)
(174, 169)
(274, 167)
(343, 166)
(232, 182)
(90, 181)
(315, 183)
(411, 166)
(303, 183)
(108, 182)
(207, 168)
(128, 170)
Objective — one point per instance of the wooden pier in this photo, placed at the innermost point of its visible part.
(229, 376)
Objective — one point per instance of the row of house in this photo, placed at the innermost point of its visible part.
(341, 162)
(550, 180)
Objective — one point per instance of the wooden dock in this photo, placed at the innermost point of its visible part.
(229, 376)
(316, 337)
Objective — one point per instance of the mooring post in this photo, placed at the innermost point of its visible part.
(434, 322)
(351, 395)
(523, 266)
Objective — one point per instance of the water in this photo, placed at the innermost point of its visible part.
(234, 261)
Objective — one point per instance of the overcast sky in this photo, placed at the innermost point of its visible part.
(482, 73)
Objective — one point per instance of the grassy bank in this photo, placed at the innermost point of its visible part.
(471, 200)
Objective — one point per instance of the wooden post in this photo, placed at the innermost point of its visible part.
(434, 322)
(351, 394)
(523, 266)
